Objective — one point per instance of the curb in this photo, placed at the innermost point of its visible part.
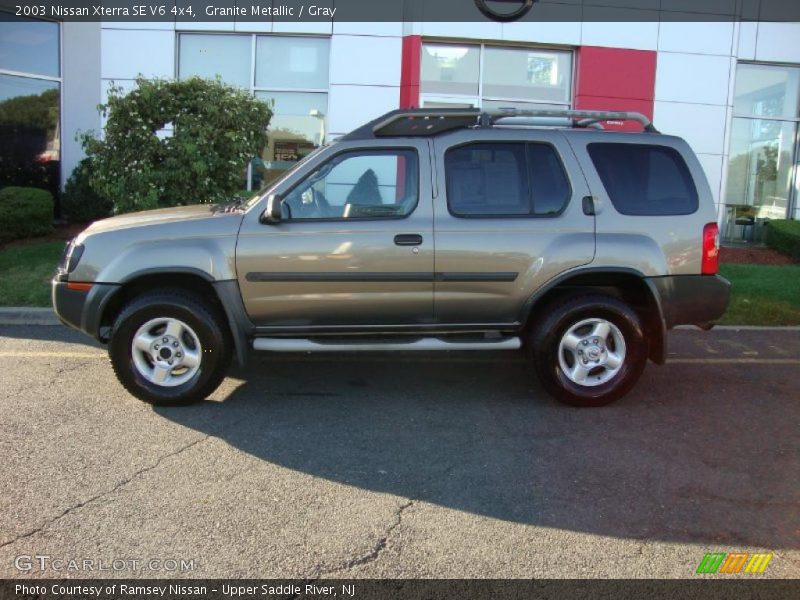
(25, 315)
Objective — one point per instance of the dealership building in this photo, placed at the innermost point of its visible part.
(730, 88)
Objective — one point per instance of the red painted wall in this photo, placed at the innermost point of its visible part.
(606, 79)
(410, 71)
(616, 79)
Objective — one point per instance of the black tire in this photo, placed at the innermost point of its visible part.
(207, 324)
(546, 337)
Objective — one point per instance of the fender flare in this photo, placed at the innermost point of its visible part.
(657, 326)
(227, 292)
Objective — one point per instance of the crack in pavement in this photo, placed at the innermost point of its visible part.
(373, 554)
(118, 486)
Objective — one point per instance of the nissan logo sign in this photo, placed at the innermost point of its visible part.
(505, 10)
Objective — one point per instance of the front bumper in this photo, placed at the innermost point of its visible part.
(81, 309)
(692, 299)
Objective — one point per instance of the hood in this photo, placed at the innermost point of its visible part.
(193, 237)
(161, 216)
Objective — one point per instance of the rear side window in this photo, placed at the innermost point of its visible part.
(645, 180)
(505, 180)
(549, 183)
(487, 179)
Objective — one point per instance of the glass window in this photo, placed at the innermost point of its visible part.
(491, 180)
(449, 69)
(292, 62)
(549, 183)
(488, 179)
(527, 74)
(296, 129)
(210, 56)
(501, 104)
(29, 46)
(761, 166)
(433, 103)
(30, 140)
(287, 71)
(767, 91)
(642, 179)
(358, 185)
(495, 77)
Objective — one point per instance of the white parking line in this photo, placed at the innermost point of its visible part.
(52, 355)
(735, 361)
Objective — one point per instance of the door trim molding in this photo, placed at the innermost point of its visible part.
(402, 276)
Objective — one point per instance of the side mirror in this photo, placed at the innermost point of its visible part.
(272, 214)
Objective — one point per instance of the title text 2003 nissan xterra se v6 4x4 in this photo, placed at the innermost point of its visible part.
(422, 230)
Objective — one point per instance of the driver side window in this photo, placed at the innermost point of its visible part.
(374, 184)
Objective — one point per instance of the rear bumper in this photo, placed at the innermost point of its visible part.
(81, 309)
(692, 299)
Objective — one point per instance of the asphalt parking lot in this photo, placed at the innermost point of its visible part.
(407, 465)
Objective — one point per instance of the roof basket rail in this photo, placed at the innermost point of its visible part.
(579, 118)
(434, 121)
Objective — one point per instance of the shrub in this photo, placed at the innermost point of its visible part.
(216, 130)
(784, 236)
(79, 201)
(25, 212)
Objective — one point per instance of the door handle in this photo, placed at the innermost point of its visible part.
(408, 239)
(589, 208)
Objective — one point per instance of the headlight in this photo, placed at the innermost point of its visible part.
(71, 257)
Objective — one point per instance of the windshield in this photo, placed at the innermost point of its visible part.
(260, 194)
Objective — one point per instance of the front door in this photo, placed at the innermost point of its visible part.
(354, 246)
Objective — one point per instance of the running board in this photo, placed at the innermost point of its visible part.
(423, 344)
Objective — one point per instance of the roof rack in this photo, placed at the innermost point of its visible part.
(428, 122)
(579, 118)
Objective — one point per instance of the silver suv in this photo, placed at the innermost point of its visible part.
(422, 230)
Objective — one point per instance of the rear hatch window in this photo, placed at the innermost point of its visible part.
(645, 179)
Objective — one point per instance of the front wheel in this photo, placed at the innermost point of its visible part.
(170, 347)
(589, 350)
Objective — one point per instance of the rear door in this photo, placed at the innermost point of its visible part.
(508, 218)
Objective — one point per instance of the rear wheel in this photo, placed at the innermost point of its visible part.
(170, 347)
(589, 350)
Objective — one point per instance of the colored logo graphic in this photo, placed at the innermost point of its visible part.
(505, 10)
(730, 564)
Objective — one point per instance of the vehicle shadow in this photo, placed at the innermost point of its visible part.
(686, 457)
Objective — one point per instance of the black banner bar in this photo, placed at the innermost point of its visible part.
(189, 11)
(707, 587)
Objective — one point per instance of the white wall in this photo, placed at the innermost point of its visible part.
(694, 74)
(364, 68)
(695, 81)
(80, 90)
(133, 49)
(364, 76)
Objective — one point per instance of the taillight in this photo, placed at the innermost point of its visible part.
(710, 263)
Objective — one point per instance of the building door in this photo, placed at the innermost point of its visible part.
(762, 169)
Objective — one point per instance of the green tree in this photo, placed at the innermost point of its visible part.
(36, 110)
(216, 130)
